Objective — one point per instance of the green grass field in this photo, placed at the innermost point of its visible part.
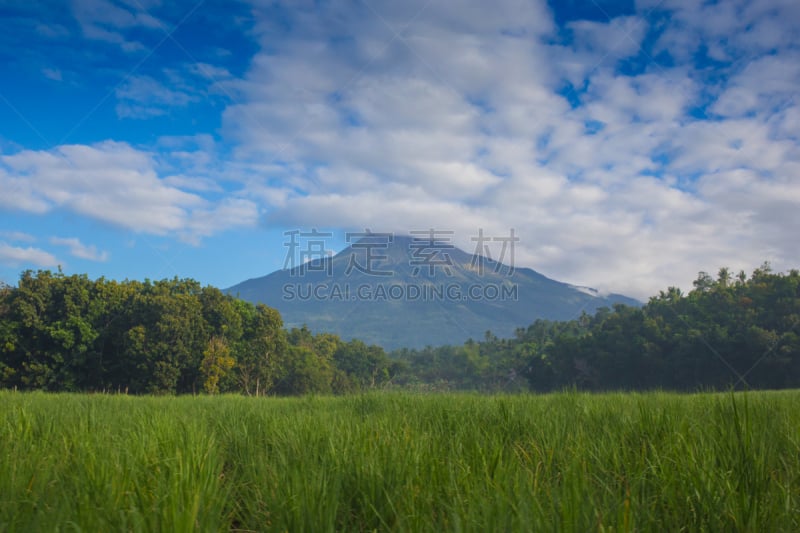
(401, 462)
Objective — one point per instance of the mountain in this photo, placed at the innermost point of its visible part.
(400, 291)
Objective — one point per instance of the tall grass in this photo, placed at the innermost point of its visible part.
(401, 462)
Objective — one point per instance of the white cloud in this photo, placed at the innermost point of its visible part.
(423, 120)
(52, 31)
(111, 182)
(103, 20)
(15, 256)
(598, 42)
(144, 97)
(17, 236)
(52, 73)
(727, 30)
(80, 250)
(230, 212)
(409, 115)
(762, 87)
(192, 183)
(212, 72)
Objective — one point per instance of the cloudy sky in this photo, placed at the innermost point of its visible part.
(629, 144)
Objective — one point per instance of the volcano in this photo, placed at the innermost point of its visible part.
(410, 292)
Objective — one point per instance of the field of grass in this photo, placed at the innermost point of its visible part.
(401, 462)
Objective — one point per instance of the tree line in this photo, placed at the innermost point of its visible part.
(728, 331)
(70, 333)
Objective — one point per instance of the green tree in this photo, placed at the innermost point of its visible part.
(217, 362)
(262, 346)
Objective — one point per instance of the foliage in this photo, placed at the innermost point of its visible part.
(729, 332)
(70, 333)
(217, 362)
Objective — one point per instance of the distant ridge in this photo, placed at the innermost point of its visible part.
(416, 295)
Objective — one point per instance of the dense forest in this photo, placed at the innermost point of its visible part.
(70, 333)
(727, 332)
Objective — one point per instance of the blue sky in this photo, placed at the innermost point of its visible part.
(630, 144)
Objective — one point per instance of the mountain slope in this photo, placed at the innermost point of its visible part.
(431, 296)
